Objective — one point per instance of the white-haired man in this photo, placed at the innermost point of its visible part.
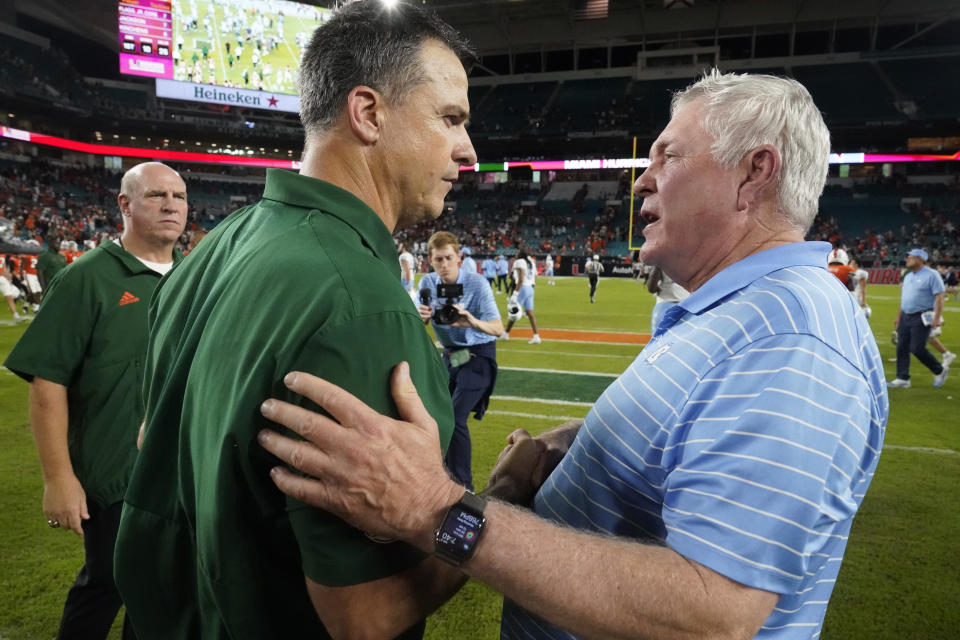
(710, 491)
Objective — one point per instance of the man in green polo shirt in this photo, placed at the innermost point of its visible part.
(83, 356)
(50, 262)
(305, 279)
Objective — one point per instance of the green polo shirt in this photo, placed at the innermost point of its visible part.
(49, 264)
(91, 336)
(307, 279)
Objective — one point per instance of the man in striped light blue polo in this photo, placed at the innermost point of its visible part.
(921, 309)
(709, 492)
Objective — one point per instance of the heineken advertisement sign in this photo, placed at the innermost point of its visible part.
(227, 95)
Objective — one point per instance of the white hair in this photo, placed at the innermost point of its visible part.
(744, 111)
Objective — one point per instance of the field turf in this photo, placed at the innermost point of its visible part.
(900, 579)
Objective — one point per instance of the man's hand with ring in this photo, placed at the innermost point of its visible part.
(65, 503)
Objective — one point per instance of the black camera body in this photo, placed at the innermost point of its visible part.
(447, 314)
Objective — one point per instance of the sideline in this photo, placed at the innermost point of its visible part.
(570, 373)
(576, 335)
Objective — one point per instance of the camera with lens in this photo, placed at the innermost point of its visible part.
(447, 314)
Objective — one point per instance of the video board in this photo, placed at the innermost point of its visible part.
(145, 32)
(244, 53)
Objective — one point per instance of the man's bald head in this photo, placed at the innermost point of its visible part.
(133, 179)
(153, 201)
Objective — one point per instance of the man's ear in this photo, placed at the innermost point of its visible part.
(123, 202)
(365, 108)
(761, 168)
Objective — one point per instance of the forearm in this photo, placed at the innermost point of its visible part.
(384, 608)
(48, 419)
(599, 587)
(490, 327)
(937, 309)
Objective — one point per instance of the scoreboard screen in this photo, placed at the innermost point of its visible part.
(244, 53)
(146, 36)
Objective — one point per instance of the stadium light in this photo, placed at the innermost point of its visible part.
(389, 4)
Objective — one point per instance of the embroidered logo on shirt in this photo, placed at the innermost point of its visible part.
(128, 298)
(659, 352)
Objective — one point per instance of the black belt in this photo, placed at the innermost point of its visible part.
(484, 349)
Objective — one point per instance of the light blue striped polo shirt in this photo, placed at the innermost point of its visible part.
(477, 299)
(919, 290)
(743, 437)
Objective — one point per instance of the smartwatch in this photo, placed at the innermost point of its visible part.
(461, 529)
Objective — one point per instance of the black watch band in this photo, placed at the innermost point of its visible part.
(461, 529)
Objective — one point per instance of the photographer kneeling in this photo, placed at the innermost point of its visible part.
(466, 321)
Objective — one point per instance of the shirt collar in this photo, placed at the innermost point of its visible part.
(130, 261)
(311, 193)
(755, 266)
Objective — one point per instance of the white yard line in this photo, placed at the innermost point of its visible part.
(543, 401)
(571, 373)
(948, 452)
(632, 344)
(536, 416)
(568, 353)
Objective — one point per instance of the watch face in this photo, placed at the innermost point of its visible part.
(460, 531)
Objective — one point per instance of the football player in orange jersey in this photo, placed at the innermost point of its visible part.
(839, 265)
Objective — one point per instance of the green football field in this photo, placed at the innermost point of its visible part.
(900, 579)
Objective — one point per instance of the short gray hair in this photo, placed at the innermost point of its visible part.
(744, 111)
(366, 43)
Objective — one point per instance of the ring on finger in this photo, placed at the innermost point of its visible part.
(53, 523)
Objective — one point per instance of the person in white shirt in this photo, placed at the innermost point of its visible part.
(860, 278)
(548, 268)
(523, 297)
(668, 294)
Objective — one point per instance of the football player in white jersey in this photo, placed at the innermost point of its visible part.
(860, 278)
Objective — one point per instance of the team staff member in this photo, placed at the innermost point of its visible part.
(502, 269)
(385, 138)
(921, 309)
(489, 268)
(83, 356)
(524, 295)
(469, 344)
(468, 264)
(711, 489)
(50, 262)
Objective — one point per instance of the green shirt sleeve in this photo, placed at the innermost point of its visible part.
(360, 357)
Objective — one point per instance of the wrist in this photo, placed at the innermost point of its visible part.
(446, 496)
